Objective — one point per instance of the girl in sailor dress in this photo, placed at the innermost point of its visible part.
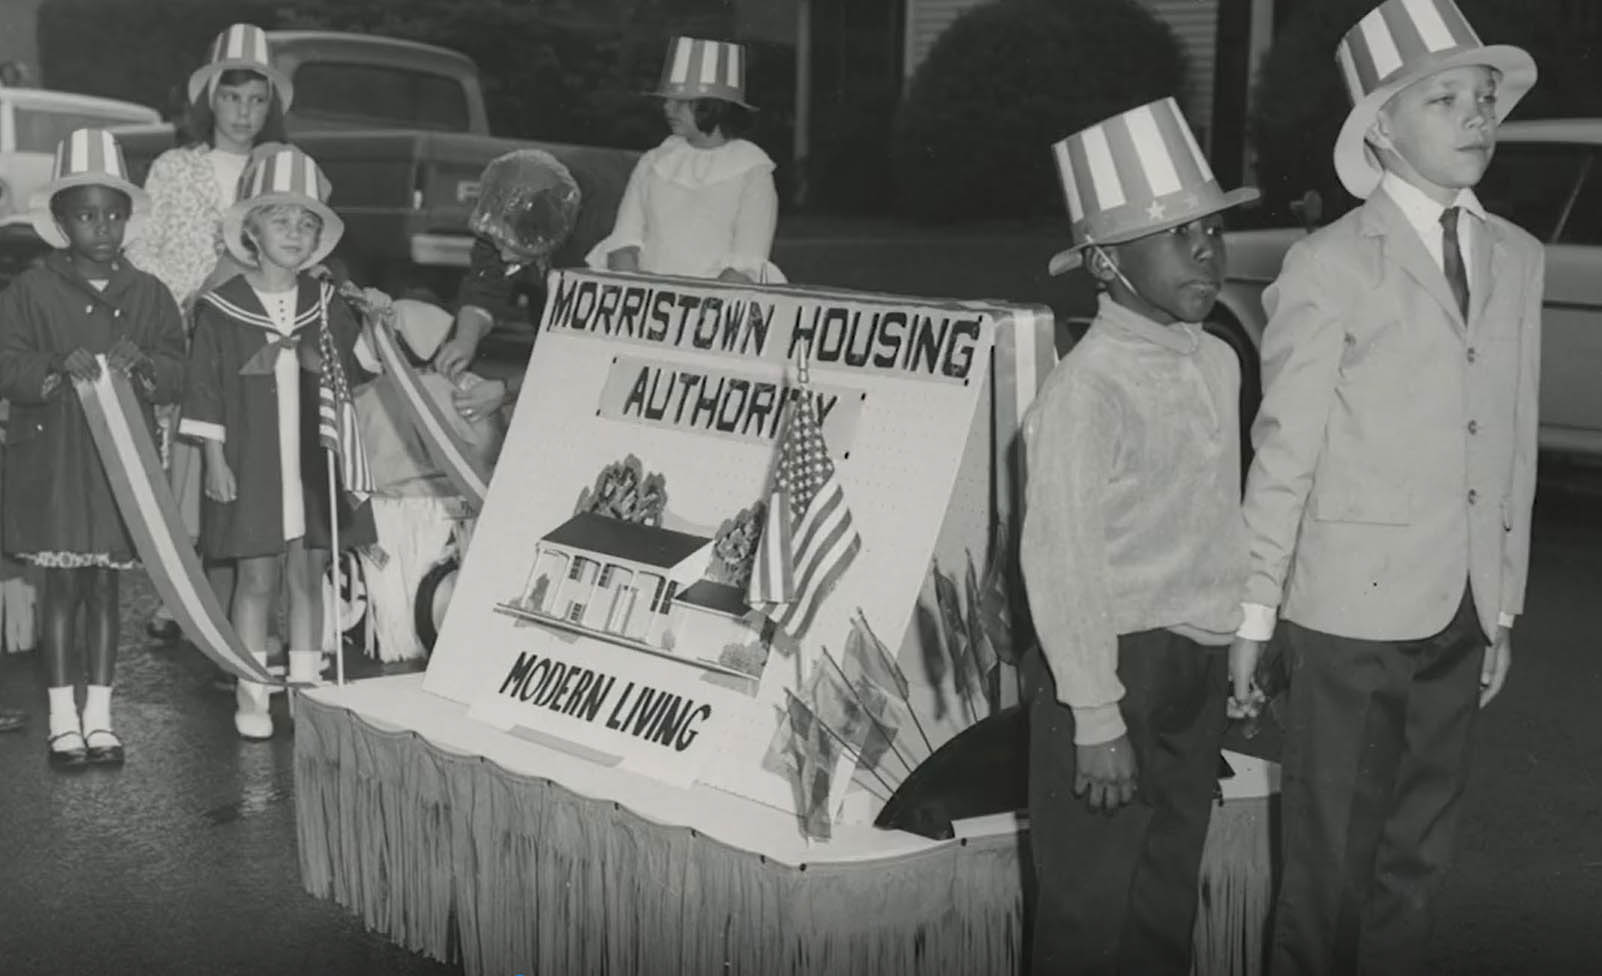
(252, 398)
(702, 204)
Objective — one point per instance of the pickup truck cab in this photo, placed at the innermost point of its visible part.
(1547, 178)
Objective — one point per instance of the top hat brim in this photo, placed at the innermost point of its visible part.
(233, 227)
(1356, 164)
(44, 222)
(1066, 261)
(281, 85)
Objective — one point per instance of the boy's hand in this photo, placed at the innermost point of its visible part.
(454, 355)
(125, 357)
(81, 365)
(220, 486)
(1105, 774)
(1493, 671)
(1246, 699)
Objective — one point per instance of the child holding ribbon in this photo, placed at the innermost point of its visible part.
(84, 310)
(260, 344)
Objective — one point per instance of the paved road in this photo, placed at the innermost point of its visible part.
(185, 860)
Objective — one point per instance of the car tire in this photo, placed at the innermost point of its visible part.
(1226, 327)
(427, 613)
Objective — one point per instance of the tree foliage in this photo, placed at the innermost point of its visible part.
(1009, 79)
(1301, 101)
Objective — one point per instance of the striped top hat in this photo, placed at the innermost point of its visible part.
(87, 157)
(242, 47)
(276, 174)
(1136, 174)
(704, 69)
(1397, 44)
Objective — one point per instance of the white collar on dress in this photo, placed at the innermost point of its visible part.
(676, 161)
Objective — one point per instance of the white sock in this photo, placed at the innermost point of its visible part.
(63, 711)
(97, 708)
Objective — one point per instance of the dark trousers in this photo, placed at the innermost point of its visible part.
(1376, 759)
(1117, 893)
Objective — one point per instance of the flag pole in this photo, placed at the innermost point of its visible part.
(846, 748)
(895, 669)
(332, 608)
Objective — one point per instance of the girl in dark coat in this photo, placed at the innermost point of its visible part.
(85, 309)
(255, 365)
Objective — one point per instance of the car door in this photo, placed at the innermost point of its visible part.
(1571, 410)
(1537, 186)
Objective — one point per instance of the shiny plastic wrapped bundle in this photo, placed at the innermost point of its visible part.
(527, 205)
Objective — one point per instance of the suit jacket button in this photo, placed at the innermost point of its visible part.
(1472, 355)
(1474, 427)
(1473, 496)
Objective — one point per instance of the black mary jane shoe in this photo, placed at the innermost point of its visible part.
(73, 758)
(109, 752)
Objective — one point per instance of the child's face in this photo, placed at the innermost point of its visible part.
(285, 235)
(94, 219)
(1439, 133)
(240, 112)
(1175, 273)
(680, 114)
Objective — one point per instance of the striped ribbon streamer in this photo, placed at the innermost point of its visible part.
(466, 472)
(145, 500)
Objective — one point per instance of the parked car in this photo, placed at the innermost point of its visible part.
(401, 130)
(1547, 178)
(32, 122)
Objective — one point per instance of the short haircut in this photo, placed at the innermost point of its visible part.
(61, 198)
(200, 123)
(712, 114)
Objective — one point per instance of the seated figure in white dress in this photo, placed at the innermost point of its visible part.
(702, 204)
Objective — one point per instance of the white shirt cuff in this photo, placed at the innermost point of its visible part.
(1257, 622)
(1097, 724)
(1506, 620)
(204, 430)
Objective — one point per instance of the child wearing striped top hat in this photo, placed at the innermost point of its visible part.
(85, 310)
(255, 363)
(1388, 504)
(1133, 555)
(702, 204)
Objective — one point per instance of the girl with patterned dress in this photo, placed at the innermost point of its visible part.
(261, 341)
(82, 311)
(237, 102)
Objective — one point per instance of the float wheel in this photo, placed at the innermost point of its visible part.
(433, 596)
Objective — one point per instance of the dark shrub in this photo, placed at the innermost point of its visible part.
(1006, 81)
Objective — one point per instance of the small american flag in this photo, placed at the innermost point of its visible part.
(809, 538)
(337, 426)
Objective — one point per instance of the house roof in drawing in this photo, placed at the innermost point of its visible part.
(630, 541)
(717, 597)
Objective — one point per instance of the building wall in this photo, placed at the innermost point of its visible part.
(19, 30)
(926, 21)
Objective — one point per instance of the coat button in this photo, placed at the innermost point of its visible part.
(1473, 496)
(1472, 355)
(1474, 426)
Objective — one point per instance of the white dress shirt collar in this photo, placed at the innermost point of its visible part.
(1420, 210)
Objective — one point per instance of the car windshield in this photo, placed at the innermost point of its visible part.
(1534, 184)
(380, 95)
(42, 129)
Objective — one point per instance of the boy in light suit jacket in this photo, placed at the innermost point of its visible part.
(1388, 506)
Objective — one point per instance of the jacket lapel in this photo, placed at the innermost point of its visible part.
(1490, 251)
(1403, 247)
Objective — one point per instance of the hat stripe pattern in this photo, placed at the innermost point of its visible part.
(1396, 34)
(704, 69)
(288, 171)
(241, 42)
(89, 151)
(1161, 158)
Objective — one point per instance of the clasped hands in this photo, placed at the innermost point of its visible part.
(81, 364)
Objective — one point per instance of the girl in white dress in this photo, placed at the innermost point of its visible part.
(702, 204)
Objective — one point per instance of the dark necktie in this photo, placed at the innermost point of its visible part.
(1452, 260)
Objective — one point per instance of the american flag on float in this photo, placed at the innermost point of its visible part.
(808, 539)
(337, 425)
